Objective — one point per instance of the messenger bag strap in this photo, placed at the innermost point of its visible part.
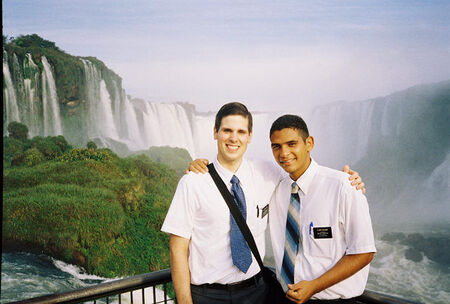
(237, 215)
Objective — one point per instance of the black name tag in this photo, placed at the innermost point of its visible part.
(322, 233)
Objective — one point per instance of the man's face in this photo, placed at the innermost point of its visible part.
(291, 152)
(232, 138)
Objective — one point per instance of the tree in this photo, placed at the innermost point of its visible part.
(18, 131)
(91, 145)
(34, 40)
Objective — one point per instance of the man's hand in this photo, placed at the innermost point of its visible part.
(198, 166)
(301, 292)
(355, 179)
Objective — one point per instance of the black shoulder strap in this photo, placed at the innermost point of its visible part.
(236, 213)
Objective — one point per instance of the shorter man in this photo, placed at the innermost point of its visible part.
(320, 225)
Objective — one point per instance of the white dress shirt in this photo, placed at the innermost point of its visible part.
(334, 221)
(198, 212)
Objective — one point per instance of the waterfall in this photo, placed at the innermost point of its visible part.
(107, 125)
(101, 122)
(134, 135)
(166, 125)
(31, 82)
(51, 114)
(11, 109)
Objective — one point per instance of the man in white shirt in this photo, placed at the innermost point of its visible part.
(203, 268)
(320, 225)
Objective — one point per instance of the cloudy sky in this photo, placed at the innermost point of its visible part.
(271, 55)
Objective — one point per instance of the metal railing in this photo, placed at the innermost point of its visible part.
(119, 291)
(128, 288)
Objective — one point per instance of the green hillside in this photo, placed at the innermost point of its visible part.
(85, 206)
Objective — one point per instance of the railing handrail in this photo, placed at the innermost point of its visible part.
(375, 297)
(160, 277)
(104, 289)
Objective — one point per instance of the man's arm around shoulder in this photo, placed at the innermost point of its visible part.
(179, 263)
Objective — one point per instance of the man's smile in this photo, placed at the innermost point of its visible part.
(232, 147)
(287, 162)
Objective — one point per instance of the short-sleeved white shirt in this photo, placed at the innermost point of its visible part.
(198, 212)
(327, 199)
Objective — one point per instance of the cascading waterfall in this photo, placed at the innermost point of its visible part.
(31, 82)
(167, 124)
(134, 135)
(117, 111)
(11, 109)
(100, 115)
(51, 113)
(107, 125)
(335, 124)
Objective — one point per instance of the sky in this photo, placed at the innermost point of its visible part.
(270, 55)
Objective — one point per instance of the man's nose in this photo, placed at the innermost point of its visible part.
(233, 136)
(284, 151)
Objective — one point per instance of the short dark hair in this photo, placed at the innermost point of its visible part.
(233, 108)
(290, 121)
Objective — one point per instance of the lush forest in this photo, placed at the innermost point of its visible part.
(87, 206)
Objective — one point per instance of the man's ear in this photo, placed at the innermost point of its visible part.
(250, 137)
(215, 133)
(309, 143)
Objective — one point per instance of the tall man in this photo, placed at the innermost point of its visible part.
(207, 266)
(210, 260)
(320, 226)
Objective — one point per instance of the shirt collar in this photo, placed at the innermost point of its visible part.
(304, 181)
(226, 174)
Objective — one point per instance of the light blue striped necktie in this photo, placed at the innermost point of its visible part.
(240, 252)
(292, 243)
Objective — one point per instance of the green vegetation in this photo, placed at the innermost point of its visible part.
(68, 69)
(18, 131)
(86, 206)
(177, 158)
(34, 41)
(91, 145)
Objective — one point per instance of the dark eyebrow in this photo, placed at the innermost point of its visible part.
(292, 142)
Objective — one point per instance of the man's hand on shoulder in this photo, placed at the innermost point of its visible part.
(355, 179)
(198, 165)
(301, 291)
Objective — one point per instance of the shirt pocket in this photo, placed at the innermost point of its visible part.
(318, 246)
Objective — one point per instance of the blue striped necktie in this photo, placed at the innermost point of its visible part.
(292, 243)
(240, 252)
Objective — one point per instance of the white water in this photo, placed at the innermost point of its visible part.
(106, 118)
(422, 281)
(99, 112)
(26, 275)
(134, 135)
(30, 94)
(9, 95)
(51, 113)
